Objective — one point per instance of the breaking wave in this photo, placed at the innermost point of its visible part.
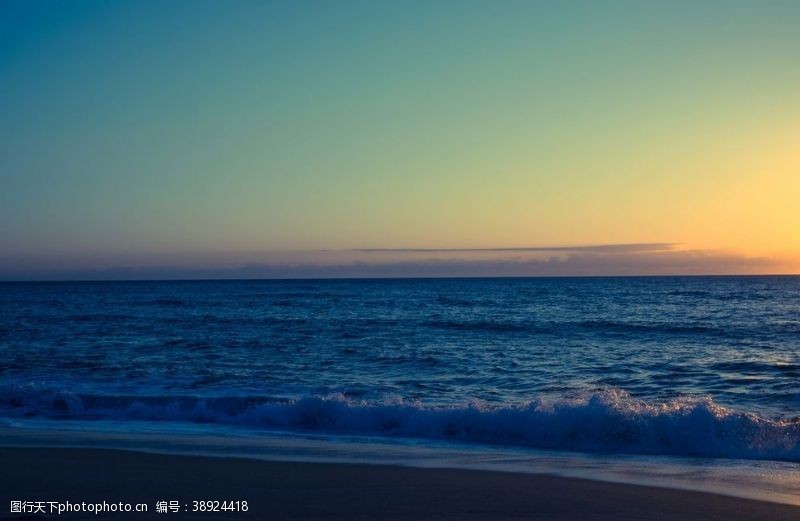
(606, 421)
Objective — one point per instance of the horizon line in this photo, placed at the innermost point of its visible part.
(415, 277)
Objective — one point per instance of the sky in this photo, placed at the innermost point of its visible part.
(192, 139)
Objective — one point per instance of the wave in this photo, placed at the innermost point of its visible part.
(166, 301)
(626, 327)
(98, 317)
(607, 421)
(756, 367)
(688, 293)
(600, 326)
(483, 325)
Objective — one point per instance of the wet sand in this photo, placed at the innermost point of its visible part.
(298, 491)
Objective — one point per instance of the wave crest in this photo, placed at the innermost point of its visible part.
(607, 421)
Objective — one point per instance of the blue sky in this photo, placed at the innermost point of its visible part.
(216, 135)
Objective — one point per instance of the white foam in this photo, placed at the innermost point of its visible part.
(608, 421)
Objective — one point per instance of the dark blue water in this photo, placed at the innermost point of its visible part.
(705, 366)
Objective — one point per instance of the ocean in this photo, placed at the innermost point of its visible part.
(674, 369)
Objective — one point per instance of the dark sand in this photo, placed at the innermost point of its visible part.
(297, 491)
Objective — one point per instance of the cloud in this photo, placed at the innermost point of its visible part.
(599, 248)
(605, 260)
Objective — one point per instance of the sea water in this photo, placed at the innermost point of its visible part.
(675, 369)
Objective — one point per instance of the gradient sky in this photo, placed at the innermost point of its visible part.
(218, 135)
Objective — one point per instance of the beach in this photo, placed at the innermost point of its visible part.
(297, 491)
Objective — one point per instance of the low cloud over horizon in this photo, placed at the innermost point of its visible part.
(551, 261)
(597, 248)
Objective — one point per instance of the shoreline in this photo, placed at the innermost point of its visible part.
(289, 490)
(760, 480)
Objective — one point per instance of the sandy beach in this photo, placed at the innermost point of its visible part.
(296, 491)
